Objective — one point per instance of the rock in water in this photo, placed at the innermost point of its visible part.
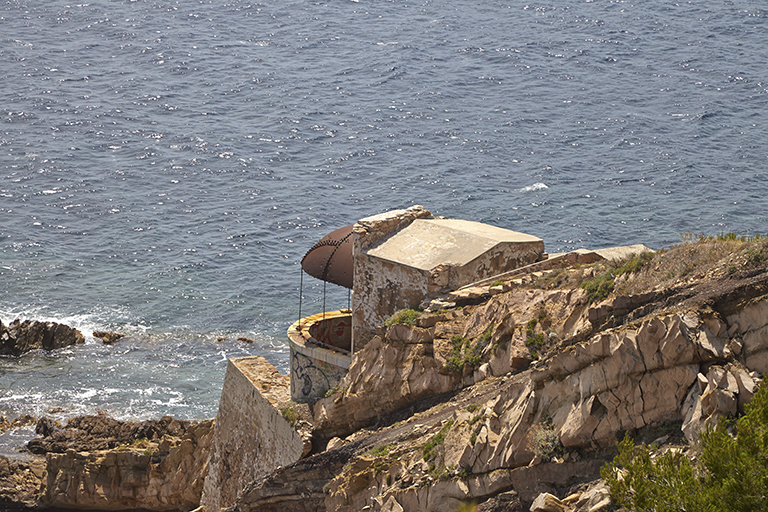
(108, 338)
(20, 337)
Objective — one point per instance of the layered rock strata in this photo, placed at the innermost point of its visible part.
(548, 368)
(99, 463)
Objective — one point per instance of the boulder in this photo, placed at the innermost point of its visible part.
(546, 502)
(19, 337)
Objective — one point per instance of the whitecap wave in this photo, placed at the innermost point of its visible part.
(531, 188)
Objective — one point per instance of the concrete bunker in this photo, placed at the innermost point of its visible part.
(398, 259)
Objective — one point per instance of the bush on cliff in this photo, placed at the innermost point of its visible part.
(602, 285)
(403, 316)
(730, 475)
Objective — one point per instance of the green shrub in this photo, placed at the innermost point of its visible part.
(290, 414)
(543, 440)
(463, 352)
(601, 286)
(403, 316)
(598, 288)
(530, 327)
(429, 450)
(731, 474)
(379, 451)
(533, 340)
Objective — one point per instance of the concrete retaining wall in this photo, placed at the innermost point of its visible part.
(251, 438)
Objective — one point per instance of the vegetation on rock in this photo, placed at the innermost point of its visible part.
(290, 414)
(602, 285)
(463, 353)
(730, 475)
(403, 316)
(544, 441)
(429, 450)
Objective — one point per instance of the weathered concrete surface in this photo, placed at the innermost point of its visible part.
(427, 243)
(367, 233)
(320, 354)
(251, 437)
(425, 257)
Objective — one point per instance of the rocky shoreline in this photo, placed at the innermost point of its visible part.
(510, 402)
(99, 463)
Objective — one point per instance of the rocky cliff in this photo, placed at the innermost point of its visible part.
(526, 391)
(506, 397)
(98, 463)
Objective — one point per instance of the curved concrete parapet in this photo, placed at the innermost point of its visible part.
(320, 353)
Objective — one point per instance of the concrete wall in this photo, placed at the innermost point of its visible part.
(311, 375)
(335, 331)
(505, 256)
(251, 437)
(369, 290)
(405, 256)
(317, 366)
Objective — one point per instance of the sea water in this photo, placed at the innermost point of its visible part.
(164, 165)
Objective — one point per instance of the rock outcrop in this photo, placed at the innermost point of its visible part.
(527, 393)
(20, 482)
(100, 463)
(19, 337)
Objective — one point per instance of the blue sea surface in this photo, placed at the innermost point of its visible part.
(165, 165)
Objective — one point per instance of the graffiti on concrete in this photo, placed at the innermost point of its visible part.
(309, 379)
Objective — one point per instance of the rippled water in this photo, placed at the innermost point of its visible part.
(164, 166)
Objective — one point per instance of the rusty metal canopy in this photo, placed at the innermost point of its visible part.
(330, 259)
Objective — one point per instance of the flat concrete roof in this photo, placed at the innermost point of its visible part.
(427, 243)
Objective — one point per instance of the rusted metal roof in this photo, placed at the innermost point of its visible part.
(330, 259)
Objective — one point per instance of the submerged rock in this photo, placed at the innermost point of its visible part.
(108, 338)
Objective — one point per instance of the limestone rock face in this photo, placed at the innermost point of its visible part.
(673, 365)
(382, 378)
(409, 362)
(162, 474)
(19, 337)
(20, 482)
